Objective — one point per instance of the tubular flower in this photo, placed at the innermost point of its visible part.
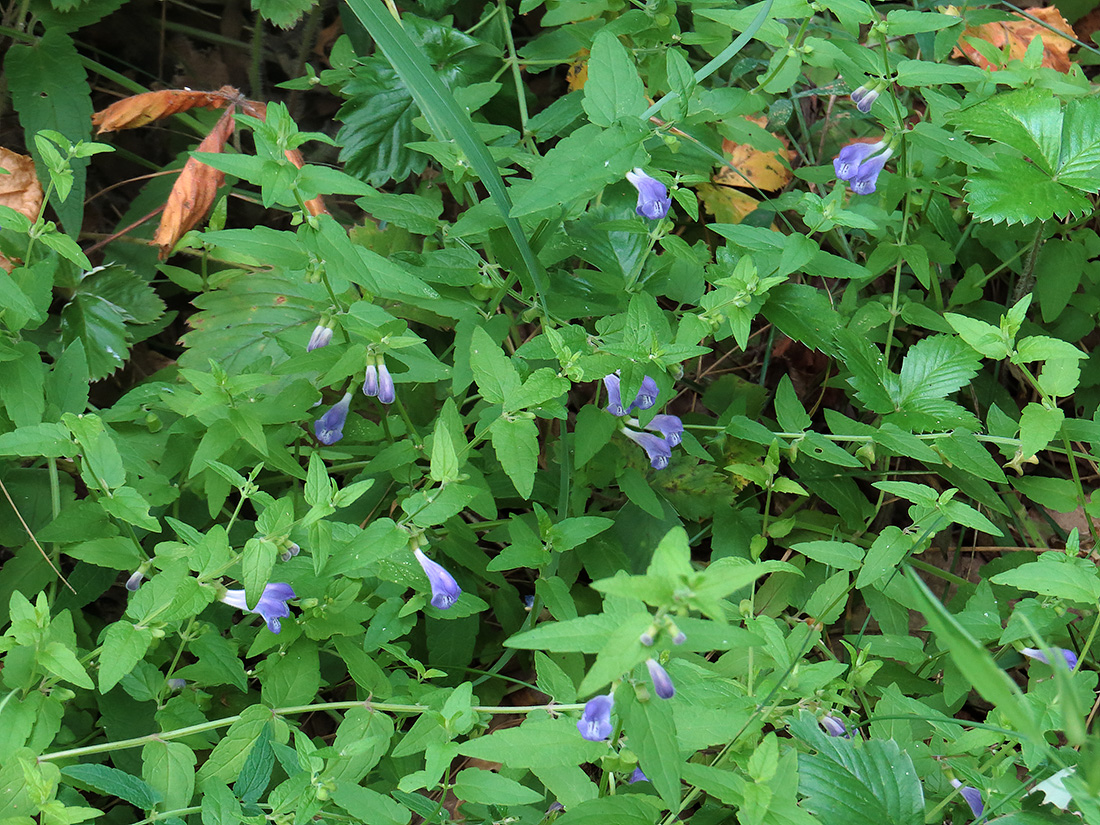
(445, 590)
(834, 726)
(653, 197)
(657, 448)
(972, 796)
(1038, 655)
(595, 722)
(272, 605)
(637, 776)
(329, 428)
(863, 181)
(321, 337)
(370, 383)
(292, 549)
(859, 164)
(386, 392)
(865, 98)
(134, 582)
(670, 426)
(661, 681)
(646, 397)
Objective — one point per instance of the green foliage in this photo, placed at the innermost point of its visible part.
(333, 516)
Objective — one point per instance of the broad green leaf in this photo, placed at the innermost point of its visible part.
(22, 378)
(652, 733)
(228, 757)
(115, 783)
(257, 563)
(935, 367)
(100, 329)
(370, 807)
(47, 440)
(49, 90)
(169, 769)
(613, 89)
(843, 555)
(1038, 427)
(633, 809)
(516, 442)
(488, 788)
(1020, 192)
(127, 504)
(292, 678)
(1055, 575)
(282, 13)
(60, 660)
(886, 553)
(493, 371)
(103, 467)
(584, 634)
(538, 741)
(123, 647)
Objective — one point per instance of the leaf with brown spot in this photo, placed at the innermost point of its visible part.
(137, 110)
(577, 75)
(193, 193)
(1017, 35)
(757, 168)
(19, 189)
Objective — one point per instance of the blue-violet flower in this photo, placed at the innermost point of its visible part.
(859, 164)
(272, 605)
(661, 681)
(386, 392)
(445, 590)
(1038, 655)
(646, 397)
(657, 448)
(134, 582)
(329, 428)
(370, 383)
(653, 197)
(292, 550)
(670, 426)
(637, 776)
(834, 726)
(595, 722)
(972, 796)
(321, 337)
(865, 98)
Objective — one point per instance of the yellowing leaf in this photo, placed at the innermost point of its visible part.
(763, 170)
(725, 204)
(1017, 35)
(577, 75)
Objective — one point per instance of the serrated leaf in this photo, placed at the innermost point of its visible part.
(133, 298)
(378, 116)
(652, 733)
(934, 368)
(169, 769)
(115, 783)
(613, 89)
(1028, 120)
(493, 371)
(282, 13)
(102, 331)
(1020, 192)
(516, 442)
(123, 647)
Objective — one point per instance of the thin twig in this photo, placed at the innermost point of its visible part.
(19, 516)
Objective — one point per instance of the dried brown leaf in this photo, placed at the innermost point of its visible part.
(755, 168)
(19, 189)
(1017, 35)
(137, 110)
(193, 193)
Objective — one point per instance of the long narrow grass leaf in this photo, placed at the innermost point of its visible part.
(446, 118)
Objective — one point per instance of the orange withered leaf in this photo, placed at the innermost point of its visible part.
(1017, 36)
(316, 206)
(19, 189)
(764, 170)
(135, 111)
(193, 193)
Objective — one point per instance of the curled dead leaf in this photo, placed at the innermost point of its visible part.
(757, 168)
(137, 110)
(19, 189)
(1017, 35)
(193, 193)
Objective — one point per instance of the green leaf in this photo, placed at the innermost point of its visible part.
(631, 809)
(46, 440)
(652, 733)
(613, 89)
(228, 757)
(487, 788)
(974, 660)
(858, 782)
(257, 562)
(123, 647)
(843, 555)
(127, 504)
(1028, 120)
(585, 634)
(1038, 427)
(50, 90)
(293, 678)
(1079, 160)
(493, 370)
(282, 13)
(935, 367)
(516, 442)
(413, 212)
(1055, 575)
(114, 783)
(62, 662)
(169, 769)
(103, 468)
(100, 329)
(67, 383)
(22, 378)
(538, 741)
(370, 807)
(1020, 192)
(889, 548)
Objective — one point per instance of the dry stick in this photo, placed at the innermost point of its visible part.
(123, 231)
(19, 516)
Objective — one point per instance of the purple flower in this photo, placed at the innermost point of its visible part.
(595, 722)
(865, 98)
(972, 796)
(321, 337)
(657, 448)
(272, 605)
(646, 397)
(653, 197)
(637, 776)
(671, 427)
(679, 638)
(445, 590)
(864, 180)
(661, 681)
(847, 162)
(386, 392)
(1038, 655)
(370, 383)
(177, 684)
(329, 428)
(292, 550)
(134, 582)
(834, 726)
